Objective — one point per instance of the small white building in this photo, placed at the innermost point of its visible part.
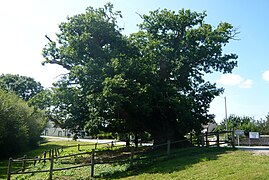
(209, 127)
(52, 130)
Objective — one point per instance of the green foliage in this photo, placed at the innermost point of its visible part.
(245, 123)
(63, 105)
(106, 136)
(42, 100)
(179, 48)
(21, 125)
(88, 42)
(24, 87)
(262, 126)
(149, 81)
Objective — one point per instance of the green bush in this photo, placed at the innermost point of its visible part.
(106, 135)
(20, 125)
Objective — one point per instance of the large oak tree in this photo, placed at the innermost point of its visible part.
(152, 80)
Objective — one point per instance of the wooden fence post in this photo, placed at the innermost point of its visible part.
(92, 163)
(217, 133)
(35, 160)
(202, 140)
(206, 139)
(168, 147)
(23, 163)
(45, 155)
(233, 143)
(9, 169)
(95, 146)
(132, 155)
(39, 159)
(51, 166)
(54, 152)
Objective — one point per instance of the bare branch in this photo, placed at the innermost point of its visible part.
(141, 16)
(48, 38)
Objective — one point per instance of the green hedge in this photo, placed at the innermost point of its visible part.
(20, 125)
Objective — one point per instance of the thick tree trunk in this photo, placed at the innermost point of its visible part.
(176, 141)
(161, 136)
(164, 126)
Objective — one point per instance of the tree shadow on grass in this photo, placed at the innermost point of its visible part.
(3, 169)
(179, 160)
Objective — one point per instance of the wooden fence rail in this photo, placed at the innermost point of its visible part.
(51, 159)
(109, 144)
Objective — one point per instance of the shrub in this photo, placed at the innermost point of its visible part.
(21, 125)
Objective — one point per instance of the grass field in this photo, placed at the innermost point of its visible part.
(207, 163)
(189, 163)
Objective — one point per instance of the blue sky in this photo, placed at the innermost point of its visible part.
(24, 25)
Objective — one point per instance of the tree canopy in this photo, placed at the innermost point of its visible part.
(25, 87)
(151, 80)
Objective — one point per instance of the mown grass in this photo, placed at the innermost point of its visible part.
(188, 163)
(208, 163)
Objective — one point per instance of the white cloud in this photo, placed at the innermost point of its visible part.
(246, 84)
(230, 79)
(235, 80)
(265, 75)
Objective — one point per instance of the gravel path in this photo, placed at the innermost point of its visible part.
(255, 150)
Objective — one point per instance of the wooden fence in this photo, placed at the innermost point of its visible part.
(51, 159)
(52, 155)
(214, 139)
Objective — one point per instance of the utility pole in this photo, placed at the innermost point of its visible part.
(226, 113)
(226, 118)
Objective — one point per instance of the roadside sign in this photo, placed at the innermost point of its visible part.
(254, 135)
(239, 132)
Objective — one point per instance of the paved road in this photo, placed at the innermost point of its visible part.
(53, 138)
(100, 141)
(257, 150)
(260, 148)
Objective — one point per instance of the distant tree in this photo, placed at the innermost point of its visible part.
(262, 125)
(24, 87)
(152, 80)
(245, 123)
(21, 125)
